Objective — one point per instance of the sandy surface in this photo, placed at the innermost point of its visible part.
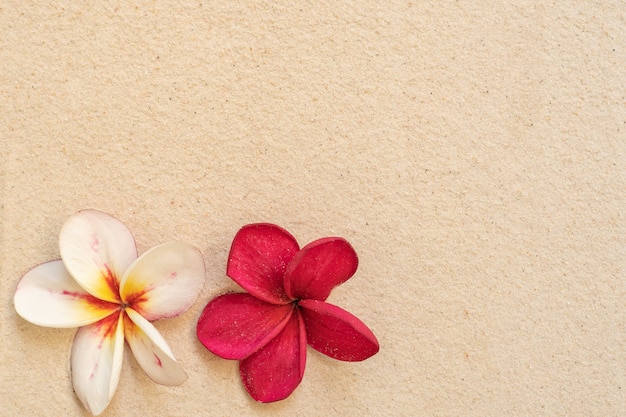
(472, 152)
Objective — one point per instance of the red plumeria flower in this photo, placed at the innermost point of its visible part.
(268, 328)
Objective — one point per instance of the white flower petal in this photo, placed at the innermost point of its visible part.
(152, 351)
(97, 355)
(165, 281)
(47, 295)
(96, 249)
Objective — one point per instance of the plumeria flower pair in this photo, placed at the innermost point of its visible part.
(112, 296)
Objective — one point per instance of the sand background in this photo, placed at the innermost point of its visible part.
(473, 152)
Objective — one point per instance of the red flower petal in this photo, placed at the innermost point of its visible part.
(335, 332)
(273, 372)
(234, 326)
(258, 258)
(319, 267)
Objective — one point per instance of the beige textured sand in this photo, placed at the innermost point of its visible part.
(473, 152)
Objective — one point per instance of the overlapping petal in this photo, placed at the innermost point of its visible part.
(334, 332)
(97, 354)
(97, 249)
(258, 258)
(274, 371)
(165, 281)
(319, 267)
(152, 351)
(234, 326)
(48, 296)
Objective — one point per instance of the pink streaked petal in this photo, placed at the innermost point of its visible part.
(97, 354)
(165, 281)
(319, 267)
(335, 332)
(96, 249)
(273, 372)
(48, 296)
(258, 258)
(233, 326)
(152, 351)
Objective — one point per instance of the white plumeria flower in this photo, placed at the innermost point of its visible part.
(102, 287)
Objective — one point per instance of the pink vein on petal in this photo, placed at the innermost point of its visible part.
(90, 299)
(111, 281)
(103, 330)
(95, 244)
